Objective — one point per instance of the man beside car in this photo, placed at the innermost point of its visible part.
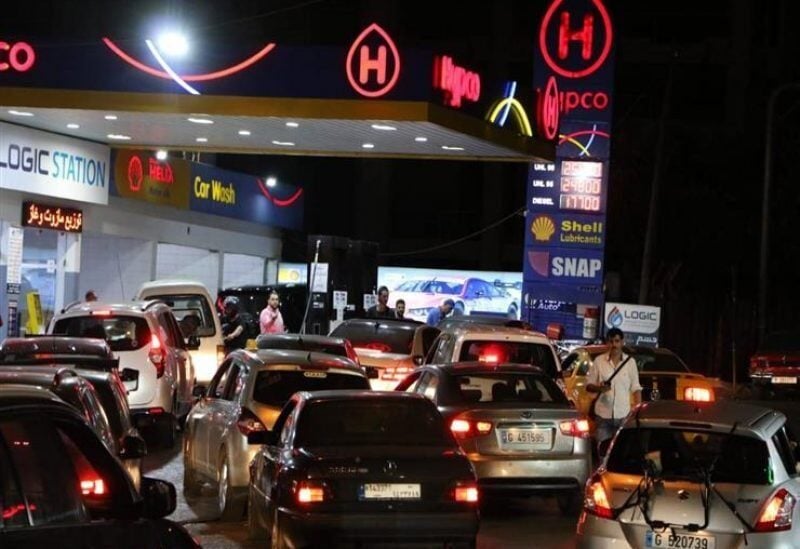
(439, 313)
(381, 309)
(614, 378)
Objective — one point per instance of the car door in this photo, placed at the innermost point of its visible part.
(176, 356)
(186, 375)
(202, 415)
(266, 478)
(223, 412)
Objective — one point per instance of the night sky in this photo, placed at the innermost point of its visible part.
(725, 58)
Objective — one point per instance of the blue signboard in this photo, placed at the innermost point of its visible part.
(563, 265)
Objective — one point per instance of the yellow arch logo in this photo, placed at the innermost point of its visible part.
(499, 111)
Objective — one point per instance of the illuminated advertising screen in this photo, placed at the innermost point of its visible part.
(495, 293)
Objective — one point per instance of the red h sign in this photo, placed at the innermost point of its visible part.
(373, 71)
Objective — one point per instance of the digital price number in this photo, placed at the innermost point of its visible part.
(581, 186)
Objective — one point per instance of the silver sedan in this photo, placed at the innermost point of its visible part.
(246, 395)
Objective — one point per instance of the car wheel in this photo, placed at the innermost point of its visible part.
(191, 484)
(231, 505)
(569, 503)
(276, 538)
(254, 528)
(458, 309)
(512, 311)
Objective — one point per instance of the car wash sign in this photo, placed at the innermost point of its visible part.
(639, 323)
(43, 163)
(566, 199)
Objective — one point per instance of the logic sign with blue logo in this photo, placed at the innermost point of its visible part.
(566, 199)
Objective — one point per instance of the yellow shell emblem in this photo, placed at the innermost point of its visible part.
(543, 228)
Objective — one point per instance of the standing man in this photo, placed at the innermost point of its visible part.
(233, 332)
(436, 315)
(381, 309)
(271, 320)
(400, 309)
(614, 397)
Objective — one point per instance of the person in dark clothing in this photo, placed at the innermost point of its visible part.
(234, 333)
(381, 309)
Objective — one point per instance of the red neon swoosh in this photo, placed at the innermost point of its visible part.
(584, 132)
(190, 77)
(278, 202)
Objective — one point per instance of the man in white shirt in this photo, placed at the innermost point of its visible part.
(614, 399)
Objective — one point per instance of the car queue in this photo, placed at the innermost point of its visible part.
(392, 430)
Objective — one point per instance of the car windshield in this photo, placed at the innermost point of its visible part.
(300, 344)
(515, 352)
(678, 453)
(184, 305)
(371, 422)
(378, 336)
(275, 387)
(123, 333)
(781, 342)
(431, 286)
(519, 388)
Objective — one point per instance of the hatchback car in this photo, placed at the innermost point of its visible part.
(696, 475)
(775, 366)
(662, 374)
(361, 466)
(150, 346)
(492, 344)
(517, 428)
(188, 298)
(388, 349)
(59, 485)
(246, 395)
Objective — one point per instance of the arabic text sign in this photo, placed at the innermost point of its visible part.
(58, 218)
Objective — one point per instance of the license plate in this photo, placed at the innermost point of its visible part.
(785, 380)
(528, 437)
(391, 491)
(678, 541)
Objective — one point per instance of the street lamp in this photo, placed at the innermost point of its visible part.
(173, 44)
(272, 181)
(764, 255)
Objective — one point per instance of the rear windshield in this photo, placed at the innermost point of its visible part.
(371, 422)
(378, 336)
(275, 387)
(677, 453)
(123, 333)
(302, 345)
(515, 352)
(501, 387)
(184, 305)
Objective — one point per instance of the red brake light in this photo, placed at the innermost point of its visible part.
(248, 422)
(157, 356)
(93, 487)
(578, 428)
(489, 358)
(465, 428)
(310, 492)
(466, 494)
(698, 394)
(350, 351)
(596, 502)
(101, 312)
(777, 513)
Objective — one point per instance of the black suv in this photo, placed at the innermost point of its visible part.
(60, 485)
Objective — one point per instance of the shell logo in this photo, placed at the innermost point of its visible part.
(543, 228)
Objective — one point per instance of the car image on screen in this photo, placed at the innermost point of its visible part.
(470, 295)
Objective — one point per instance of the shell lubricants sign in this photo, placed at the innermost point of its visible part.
(141, 176)
(565, 236)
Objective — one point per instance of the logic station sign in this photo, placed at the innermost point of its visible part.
(567, 199)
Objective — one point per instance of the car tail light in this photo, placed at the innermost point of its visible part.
(467, 428)
(698, 394)
(101, 312)
(351, 352)
(777, 513)
(310, 492)
(467, 493)
(578, 428)
(157, 355)
(93, 487)
(596, 501)
(248, 422)
(491, 358)
(155, 411)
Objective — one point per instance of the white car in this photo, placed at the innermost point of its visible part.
(696, 475)
(494, 344)
(471, 296)
(192, 298)
(148, 342)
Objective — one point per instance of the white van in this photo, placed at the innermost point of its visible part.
(187, 297)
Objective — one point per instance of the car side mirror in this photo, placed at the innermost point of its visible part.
(133, 447)
(193, 343)
(265, 438)
(198, 391)
(159, 498)
(419, 360)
